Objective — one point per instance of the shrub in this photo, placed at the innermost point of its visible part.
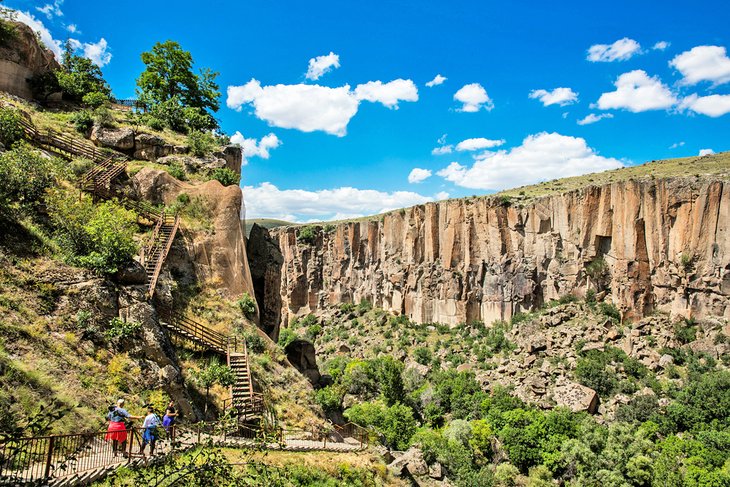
(95, 99)
(611, 311)
(592, 373)
(685, 331)
(364, 306)
(10, 129)
(25, 175)
(103, 117)
(255, 343)
(286, 336)
(495, 338)
(120, 329)
(247, 305)
(639, 408)
(225, 176)
(598, 271)
(306, 235)
(201, 143)
(314, 331)
(396, 424)
(82, 121)
(329, 398)
(423, 355)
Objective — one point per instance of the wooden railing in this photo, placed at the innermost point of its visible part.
(192, 330)
(164, 249)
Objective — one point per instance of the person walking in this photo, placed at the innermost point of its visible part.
(117, 430)
(169, 420)
(150, 433)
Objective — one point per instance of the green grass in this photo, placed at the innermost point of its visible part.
(266, 223)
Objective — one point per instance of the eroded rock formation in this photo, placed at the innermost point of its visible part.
(21, 58)
(655, 244)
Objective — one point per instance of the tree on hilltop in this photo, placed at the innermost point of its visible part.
(177, 96)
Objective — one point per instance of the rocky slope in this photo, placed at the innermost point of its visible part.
(651, 244)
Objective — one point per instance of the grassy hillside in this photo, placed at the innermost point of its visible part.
(266, 223)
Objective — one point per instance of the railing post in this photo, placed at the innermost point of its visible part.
(131, 443)
(49, 457)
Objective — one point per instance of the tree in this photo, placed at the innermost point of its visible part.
(80, 78)
(214, 373)
(169, 81)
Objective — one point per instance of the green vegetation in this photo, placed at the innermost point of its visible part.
(306, 235)
(224, 176)
(81, 80)
(25, 175)
(247, 305)
(10, 129)
(177, 97)
(118, 328)
(202, 143)
(212, 374)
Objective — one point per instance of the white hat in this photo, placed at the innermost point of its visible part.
(120, 402)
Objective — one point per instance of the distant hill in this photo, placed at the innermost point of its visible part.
(266, 223)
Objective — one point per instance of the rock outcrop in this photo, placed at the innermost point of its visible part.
(217, 253)
(21, 58)
(659, 244)
(265, 262)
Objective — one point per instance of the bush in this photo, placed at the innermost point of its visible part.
(99, 237)
(306, 235)
(120, 329)
(685, 331)
(225, 176)
(611, 311)
(201, 143)
(10, 129)
(79, 167)
(314, 331)
(255, 343)
(423, 355)
(83, 121)
(329, 398)
(286, 336)
(95, 99)
(364, 306)
(103, 117)
(598, 271)
(247, 305)
(176, 171)
(25, 175)
(396, 424)
(639, 408)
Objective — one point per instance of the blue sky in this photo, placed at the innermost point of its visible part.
(331, 102)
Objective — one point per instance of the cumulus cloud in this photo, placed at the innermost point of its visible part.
(98, 52)
(541, 156)
(256, 148)
(621, 50)
(593, 118)
(442, 149)
(661, 45)
(712, 105)
(51, 10)
(438, 80)
(706, 152)
(322, 64)
(299, 205)
(703, 63)
(478, 143)
(45, 35)
(313, 107)
(474, 98)
(418, 175)
(558, 96)
(636, 91)
(389, 94)
(302, 107)
(442, 195)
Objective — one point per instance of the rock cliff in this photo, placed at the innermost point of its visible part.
(650, 244)
(21, 58)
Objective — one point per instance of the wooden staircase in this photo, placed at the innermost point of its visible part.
(98, 181)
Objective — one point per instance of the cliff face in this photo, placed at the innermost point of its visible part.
(650, 244)
(216, 255)
(22, 57)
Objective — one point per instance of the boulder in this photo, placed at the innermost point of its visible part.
(132, 273)
(576, 397)
(233, 155)
(412, 461)
(151, 147)
(120, 139)
(436, 471)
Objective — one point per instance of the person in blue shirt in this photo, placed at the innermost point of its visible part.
(149, 435)
(117, 430)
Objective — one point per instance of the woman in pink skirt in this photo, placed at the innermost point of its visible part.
(117, 431)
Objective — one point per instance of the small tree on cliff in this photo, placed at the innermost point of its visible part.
(214, 373)
(80, 79)
(177, 96)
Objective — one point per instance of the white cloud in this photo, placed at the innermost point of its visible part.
(51, 9)
(268, 201)
(45, 35)
(436, 81)
(636, 91)
(703, 63)
(389, 94)
(73, 28)
(541, 156)
(677, 145)
(97, 52)
(418, 175)
(313, 107)
(712, 105)
(593, 118)
(477, 144)
(661, 45)
(322, 64)
(474, 97)
(706, 152)
(442, 149)
(621, 50)
(442, 195)
(558, 96)
(256, 148)
(303, 107)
